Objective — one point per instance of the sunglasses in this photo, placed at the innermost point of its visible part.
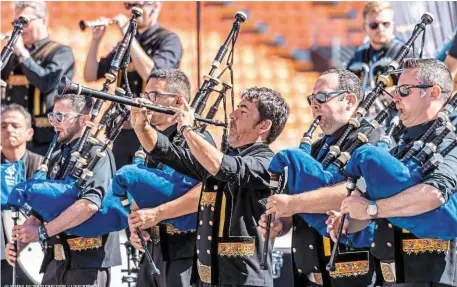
(323, 97)
(403, 90)
(61, 116)
(375, 25)
(129, 6)
(26, 24)
(152, 96)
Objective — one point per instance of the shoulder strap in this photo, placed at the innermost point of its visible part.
(44, 50)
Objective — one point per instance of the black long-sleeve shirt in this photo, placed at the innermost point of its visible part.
(228, 241)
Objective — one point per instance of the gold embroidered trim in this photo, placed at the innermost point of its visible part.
(347, 269)
(204, 272)
(388, 272)
(418, 246)
(208, 198)
(17, 80)
(81, 243)
(59, 253)
(236, 249)
(155, 235)
(173, 230)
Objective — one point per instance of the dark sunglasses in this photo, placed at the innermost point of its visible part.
(152, 96)
(375, 25)
(323, 97)
(129, 6)
(403, 90)
(61, 116)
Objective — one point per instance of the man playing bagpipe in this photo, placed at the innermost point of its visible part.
(407, 259)
(228, 245)
(17, 130)
(172, 248)
(71, 259)
(153, 48)
(335, 99)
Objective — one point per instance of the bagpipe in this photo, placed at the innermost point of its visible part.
(7, 51)
(50, 197)
(151, 187)
(419, 159)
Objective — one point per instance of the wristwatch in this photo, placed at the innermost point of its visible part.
(184, 128)
(372, 209)
(42, 234)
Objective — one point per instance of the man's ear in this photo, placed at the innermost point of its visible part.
(265, 126)
(435, 93)
(351, 99)
(30, 133)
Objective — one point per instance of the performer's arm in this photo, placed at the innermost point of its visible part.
(316, 201)
(150, 217)
(73, 216)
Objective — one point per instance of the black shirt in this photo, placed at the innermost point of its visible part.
(366, 54)
(310, 250)
(109, 254)
(161, 45)
(429, 266)
(229, 245)
(175, 245)
(48, 62)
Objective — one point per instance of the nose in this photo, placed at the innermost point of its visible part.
(233, 114)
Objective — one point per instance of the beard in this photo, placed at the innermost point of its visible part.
(71, 132)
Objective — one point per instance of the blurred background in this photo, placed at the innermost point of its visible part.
(283, 45)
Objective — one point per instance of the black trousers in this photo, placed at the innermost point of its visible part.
(175, 273)
(7, 275)
(58, 273)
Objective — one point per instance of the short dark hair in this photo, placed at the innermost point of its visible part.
(272, 106)
(432, 72)
(79, 104)
(177, 81)
(21, 110)
(348, 81)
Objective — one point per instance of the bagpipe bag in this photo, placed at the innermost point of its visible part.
(151, 187)
(307, 174)
(49, 198)
(387, 176)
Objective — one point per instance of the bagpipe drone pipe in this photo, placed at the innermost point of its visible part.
(151, 187)
(49, 198)
(386, 176)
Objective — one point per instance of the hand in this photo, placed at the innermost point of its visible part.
(185, 116)
(25, 233)
(275, 226)
(356, 206)
(333, 223)
(135, 239)
(145, 218)
(99, 31)
(10, 254)
(122, 22)
(19, 48)
(280, 205)
(140, 117)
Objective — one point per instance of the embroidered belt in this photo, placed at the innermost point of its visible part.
(236, 249)
(204, 271)
(173, 230)
(347, 269)
(59, 252)
(316, 278)
(208, 198)
(18, 80)
(418, 246)
(81, 243)
(388, 272)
